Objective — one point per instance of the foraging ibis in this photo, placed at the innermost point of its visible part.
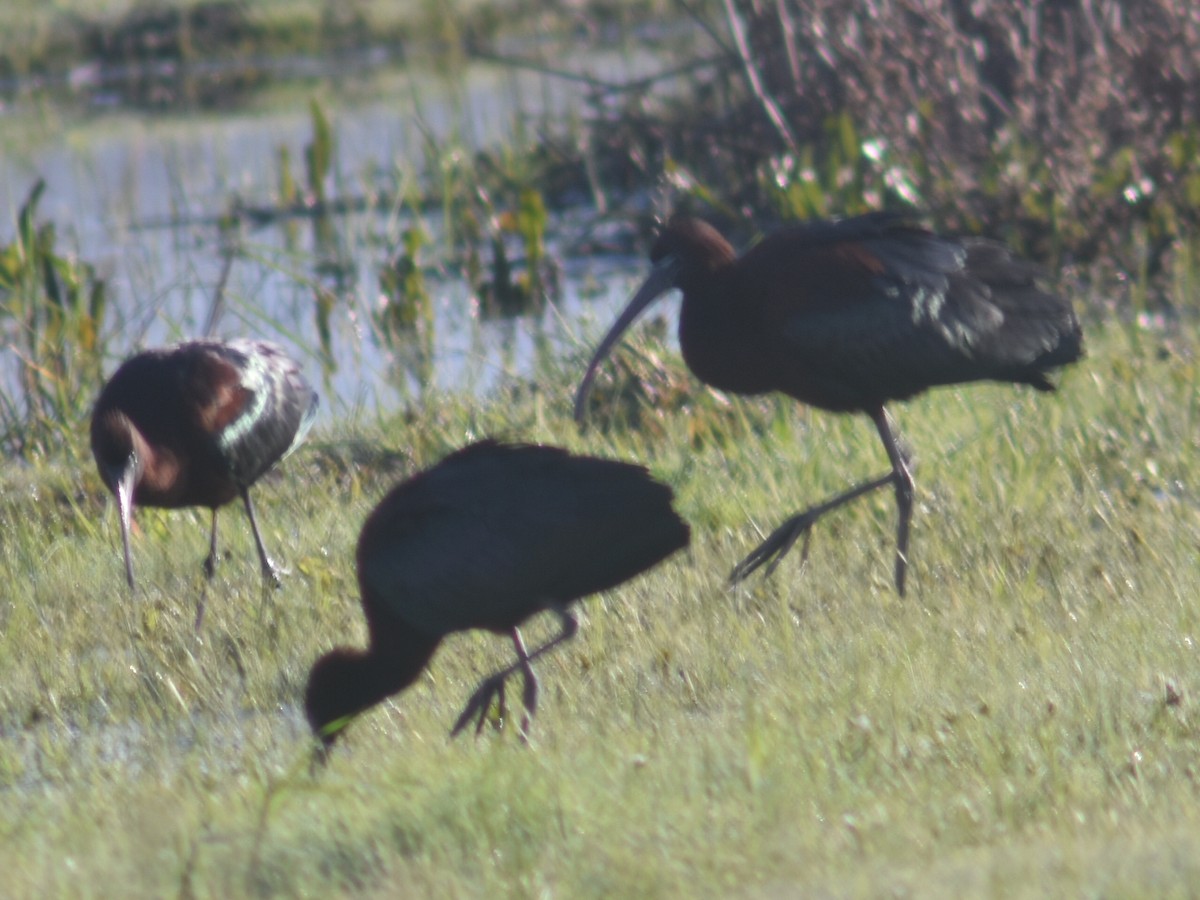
(488, 537)
(197, 424)
(847, 316)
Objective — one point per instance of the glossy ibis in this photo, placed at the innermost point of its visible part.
(488, 537)
(196, 424)
(846, 316)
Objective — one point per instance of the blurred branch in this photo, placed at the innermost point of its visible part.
(599, 84)
(769, 106)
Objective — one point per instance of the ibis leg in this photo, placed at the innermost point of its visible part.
(529, 697)
(210, 568)
(270, 573)
(210, 561)
(903, 480)
(783, 538)
(201, 604)
(493, 686)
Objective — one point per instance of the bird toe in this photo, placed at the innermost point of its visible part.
(775, 547)
(478, 705)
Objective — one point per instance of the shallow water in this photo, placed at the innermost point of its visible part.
(137, 193)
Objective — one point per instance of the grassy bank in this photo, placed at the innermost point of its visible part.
(1024, 723)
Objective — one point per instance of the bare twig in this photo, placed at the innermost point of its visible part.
(218, 302)
(769, 106)
(694, 14)
(598, 84)
(787, 29)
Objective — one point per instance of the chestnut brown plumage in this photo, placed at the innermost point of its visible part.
(847, 316)
(196, 424)
(488, 537)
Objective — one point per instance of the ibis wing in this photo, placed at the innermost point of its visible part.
(1040, 329)
(254, 404)
(444, 568)
(496, 533)
(884, 316)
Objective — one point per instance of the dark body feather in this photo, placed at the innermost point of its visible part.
(488, 537)
(198, 423)
(847, 316)
(495, 533)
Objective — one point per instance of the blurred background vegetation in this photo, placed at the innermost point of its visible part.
(1068, 128)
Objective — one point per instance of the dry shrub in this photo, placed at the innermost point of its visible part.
(1064, 126)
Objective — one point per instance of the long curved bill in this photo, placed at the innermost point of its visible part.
(124, 492)
(660, 280)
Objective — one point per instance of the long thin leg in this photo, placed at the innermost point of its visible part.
(493, 686)
(210, 561)
(904, 492)
(783, 538)
(529, 697)
(200, 606)
(780, 541)
(530, 694)
(270, 573)
(210, 567)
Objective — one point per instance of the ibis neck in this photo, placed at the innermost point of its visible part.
(120, 448)
(345, 681)
(374, 676)
(395, 659)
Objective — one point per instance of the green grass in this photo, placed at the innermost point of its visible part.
(1023, 723)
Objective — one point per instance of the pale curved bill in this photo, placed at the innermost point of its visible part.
(660, 280)
(124, 491)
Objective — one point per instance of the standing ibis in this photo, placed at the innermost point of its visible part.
(488, 537)
(846, 316)
(196, 424)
